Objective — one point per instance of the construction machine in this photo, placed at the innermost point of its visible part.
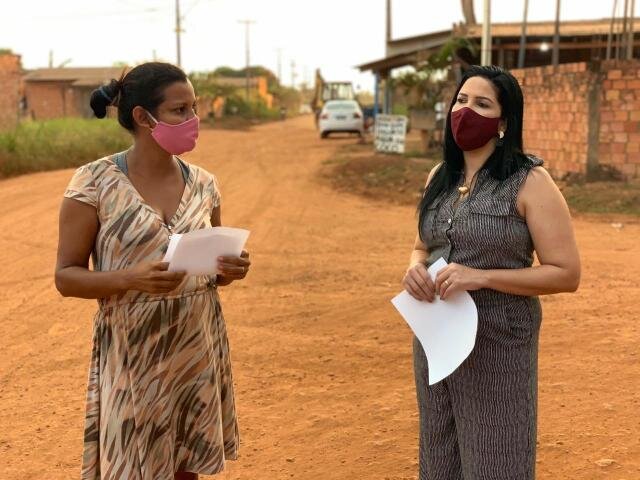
(325, 91)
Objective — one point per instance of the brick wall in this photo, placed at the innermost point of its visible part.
(556, 123)
(47, 100)
(583, 117)
(10, 78)
(619, 136)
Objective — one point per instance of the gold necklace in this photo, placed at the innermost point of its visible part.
(466, 187)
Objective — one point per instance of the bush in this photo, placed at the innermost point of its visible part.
(236, 105)
(56, 144)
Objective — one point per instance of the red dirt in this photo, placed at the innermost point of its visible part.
(322, 362)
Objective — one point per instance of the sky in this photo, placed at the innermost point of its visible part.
(333, 35)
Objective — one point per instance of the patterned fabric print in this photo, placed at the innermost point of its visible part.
(480, 422)
(160, 389)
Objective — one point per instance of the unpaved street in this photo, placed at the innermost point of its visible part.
(322, 362)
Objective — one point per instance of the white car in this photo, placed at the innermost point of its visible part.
(341, 116)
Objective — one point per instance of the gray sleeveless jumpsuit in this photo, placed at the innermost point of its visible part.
(480, 422)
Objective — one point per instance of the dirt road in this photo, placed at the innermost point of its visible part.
(322, 362)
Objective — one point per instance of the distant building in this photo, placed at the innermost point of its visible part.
(64, 92)
(580, 41)
(10, 91)
(258, 87)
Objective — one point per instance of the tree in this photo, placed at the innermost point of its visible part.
(427, 82)
(256, 71)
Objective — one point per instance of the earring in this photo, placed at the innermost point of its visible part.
(500, 141)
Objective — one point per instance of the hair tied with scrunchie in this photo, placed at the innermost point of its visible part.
(104, 94)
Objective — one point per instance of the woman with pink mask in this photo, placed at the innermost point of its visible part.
(486, 208)
(160, 401)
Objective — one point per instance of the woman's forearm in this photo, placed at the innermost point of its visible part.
(81, 282)
(418, 256)
(538, 280)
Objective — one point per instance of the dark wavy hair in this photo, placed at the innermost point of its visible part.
(143, 85)
(508, 155)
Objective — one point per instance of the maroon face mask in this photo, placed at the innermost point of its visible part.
(472, 130)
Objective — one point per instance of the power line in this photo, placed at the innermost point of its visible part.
(121, 13)
(180, 18)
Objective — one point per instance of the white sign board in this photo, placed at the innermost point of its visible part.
(390, 133)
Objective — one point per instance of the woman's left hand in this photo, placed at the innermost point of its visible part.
(233, 268)
(457, 278)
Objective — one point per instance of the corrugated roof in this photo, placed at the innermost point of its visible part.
(405, 48)
(85, 76)
(545, 29)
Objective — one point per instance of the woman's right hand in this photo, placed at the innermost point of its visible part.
(152, 277)
(418, 283)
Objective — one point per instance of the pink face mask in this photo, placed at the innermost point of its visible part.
(176, 139)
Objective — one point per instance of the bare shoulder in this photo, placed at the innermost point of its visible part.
(538, 180)
(539, 192)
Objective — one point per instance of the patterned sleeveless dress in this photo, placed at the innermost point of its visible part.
(480, 422)
(160, 390)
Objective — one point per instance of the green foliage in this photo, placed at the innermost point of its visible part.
(207, 84)
(256, 71)
(56, 144)
(287, 97)
(204, 83)
(400, 109)
(428, 79)
(238, 105)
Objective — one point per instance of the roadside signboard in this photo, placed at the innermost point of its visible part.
(390, 133)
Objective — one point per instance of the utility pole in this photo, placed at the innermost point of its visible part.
(624, 37)
(610, 36)
(486, 34)
(247, 27)
(293, 74)
(523, 35)
(178, 31)
(555, 58)
(388, 32)
(50, 58)
(631, 41)
(279, 50)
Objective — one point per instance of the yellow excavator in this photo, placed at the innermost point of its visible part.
(325, 91)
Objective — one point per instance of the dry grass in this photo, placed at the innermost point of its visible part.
(57, 144)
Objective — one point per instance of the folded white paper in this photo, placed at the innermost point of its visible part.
(197, 252)
(446, 329)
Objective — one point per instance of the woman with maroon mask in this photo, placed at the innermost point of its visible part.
(486, 208)
(160, 402)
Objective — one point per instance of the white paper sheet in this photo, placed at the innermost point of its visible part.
(446, 329)
(197, 252)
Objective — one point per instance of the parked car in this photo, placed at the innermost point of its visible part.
(341, 116)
